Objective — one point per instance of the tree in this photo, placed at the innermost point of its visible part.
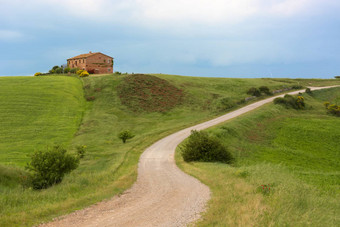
(125, 135)
(55, 67)
(59, 70)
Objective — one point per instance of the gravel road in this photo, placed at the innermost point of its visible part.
(163, 195)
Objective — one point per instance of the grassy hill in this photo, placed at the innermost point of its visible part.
(295, 152)
(36, 112)
(109, 166)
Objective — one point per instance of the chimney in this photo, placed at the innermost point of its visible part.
(90, 52)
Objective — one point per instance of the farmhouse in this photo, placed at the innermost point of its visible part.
(97, 62)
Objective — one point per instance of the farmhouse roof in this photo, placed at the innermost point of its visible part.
(87, 55)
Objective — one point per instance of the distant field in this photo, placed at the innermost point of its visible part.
(296, 152)
(109, 166)
(36, 112)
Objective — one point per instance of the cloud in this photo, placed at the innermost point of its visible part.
(157, 13)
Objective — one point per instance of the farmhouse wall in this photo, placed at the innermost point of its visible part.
(97, 63)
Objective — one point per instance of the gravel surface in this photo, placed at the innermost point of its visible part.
(163, 195)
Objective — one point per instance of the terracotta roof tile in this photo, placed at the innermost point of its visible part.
(83, 55)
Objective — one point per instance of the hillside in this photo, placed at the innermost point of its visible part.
(36, 112)
(109, 166)
(295, 153)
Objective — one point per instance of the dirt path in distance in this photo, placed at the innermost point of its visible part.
(163, 195)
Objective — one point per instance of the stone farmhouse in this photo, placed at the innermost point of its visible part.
(96, 63)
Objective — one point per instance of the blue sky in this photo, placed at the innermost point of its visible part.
(219, 38)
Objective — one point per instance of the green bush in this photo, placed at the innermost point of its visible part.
(59, 70)
(226, 103)
(81, 150)
(265, 89)
(291, 102)
(308, 91)
(202, 147)
(49, 167)
(74, 70)
(67, 70)
(297, 87)
(125, 135)
(52, 71)
(337, 77)
(254, 92)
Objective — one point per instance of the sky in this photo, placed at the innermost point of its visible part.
(212, 38)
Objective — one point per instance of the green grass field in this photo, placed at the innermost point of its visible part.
(296, 152)
(109, 166)
(36, 112)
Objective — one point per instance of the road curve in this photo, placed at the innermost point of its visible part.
(163, 195)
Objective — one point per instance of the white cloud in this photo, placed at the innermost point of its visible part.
(158, 13)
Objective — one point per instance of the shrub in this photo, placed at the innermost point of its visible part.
(79, 71)
(73, 70)
(49, 167)
(279, 100)
(254, 92)
(308, 91)
(125, 135)
(332, 109)
(67, 70)
(84, 73)
(59, 70)
(81, 149)
(297, 87)
(291, 102)
(37, 74)
(226, 103)
(90, 71)
(337, 77)
(265, 90)
(202, 147)
(118, 73)
(52, 71)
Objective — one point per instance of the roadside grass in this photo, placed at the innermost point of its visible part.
(109, 166)
(296, 152)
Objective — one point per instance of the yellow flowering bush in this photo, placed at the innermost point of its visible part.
(37, 74)
(333, 109)
(84, 73)
(79, 71)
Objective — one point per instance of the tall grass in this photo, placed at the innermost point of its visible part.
(296, 152)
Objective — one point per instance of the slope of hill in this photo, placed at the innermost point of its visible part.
(36, 112)
(109, 166)
(294, 153)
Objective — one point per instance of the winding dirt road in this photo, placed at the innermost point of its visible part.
(163, 195)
